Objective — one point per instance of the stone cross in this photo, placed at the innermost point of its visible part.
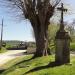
(62, 54)
(62, 9)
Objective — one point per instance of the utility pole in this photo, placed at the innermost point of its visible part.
(1, 35)
(62, 9)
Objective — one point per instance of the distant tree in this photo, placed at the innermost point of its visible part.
(52, 29)
(70, 28)
(39, 13)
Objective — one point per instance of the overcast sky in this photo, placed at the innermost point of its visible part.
(21, 30)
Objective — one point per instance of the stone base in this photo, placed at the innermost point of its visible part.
(62, 54)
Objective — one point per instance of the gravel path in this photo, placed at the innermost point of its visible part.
(11, 54)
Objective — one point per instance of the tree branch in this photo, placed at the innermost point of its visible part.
(57, 2)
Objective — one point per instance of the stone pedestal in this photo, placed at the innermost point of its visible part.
(62, 54)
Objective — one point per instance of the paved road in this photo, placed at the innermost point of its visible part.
(11, 54)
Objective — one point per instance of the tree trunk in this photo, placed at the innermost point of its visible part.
(41, 37)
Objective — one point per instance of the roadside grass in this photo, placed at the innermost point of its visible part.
(72, 46)
(18, 68)
(38, 66)
(15, 61)
(3, 50)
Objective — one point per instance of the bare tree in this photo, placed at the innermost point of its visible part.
(39, 13)
(70, 29)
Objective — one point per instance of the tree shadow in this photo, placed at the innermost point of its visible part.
(23, 61)
(52, 64)
(26, 60)
(2, 70)
(32, 58)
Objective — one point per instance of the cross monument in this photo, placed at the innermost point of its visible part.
(62, 9)
(62, 53)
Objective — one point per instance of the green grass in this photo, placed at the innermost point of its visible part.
(20, 66)
(15, 61)
(72, 46)
(3, 50)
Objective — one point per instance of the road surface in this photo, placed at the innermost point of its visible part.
(11, 54)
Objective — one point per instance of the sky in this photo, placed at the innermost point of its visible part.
(21, 29)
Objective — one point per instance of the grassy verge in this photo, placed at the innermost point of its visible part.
(3, 50)
(72, 46)
(22, 65)
(15, 61)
